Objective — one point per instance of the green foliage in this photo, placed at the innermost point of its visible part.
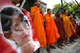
(73, 9)
(56, 8)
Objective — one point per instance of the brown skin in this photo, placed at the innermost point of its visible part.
(59, 13)
(38, 3)
(49, 12)
(54, 17)
(71, 16)
(40, 8)
(66, 12)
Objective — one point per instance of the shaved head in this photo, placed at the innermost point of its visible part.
(37, 2)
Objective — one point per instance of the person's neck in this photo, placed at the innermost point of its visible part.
(70, 17)
(66, 14)
(49, 13)
(28, 47)
(57, 15)
(37, 6)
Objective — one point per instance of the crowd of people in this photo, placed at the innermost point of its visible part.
(61, 28)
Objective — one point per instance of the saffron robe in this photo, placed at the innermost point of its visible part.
(38, 25)
(51, 30)
(68, 26)
(42, 18)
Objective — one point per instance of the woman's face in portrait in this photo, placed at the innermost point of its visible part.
(19, 31)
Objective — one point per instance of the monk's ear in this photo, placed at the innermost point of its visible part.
(7, 34)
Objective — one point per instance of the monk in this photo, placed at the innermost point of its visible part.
(51, 31)
(74, 36)
(68, 27)
(61, 30)
(38, 23)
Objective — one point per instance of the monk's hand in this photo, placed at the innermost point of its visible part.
(24, 11)
(54, 17)
(40, 8)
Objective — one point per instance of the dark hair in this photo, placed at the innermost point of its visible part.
(58, 11)
(6, 14)
(6, 18)
(35, 1)
(48, 9)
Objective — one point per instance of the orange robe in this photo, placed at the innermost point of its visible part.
(38, 25)
(42, 18)
(68, 26)
(51, 30)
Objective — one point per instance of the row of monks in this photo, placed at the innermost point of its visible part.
(58, 29)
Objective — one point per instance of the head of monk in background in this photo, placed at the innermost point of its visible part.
(37, 2)
(58, 13)
(66, 12)
(49, 11)
(15, 1)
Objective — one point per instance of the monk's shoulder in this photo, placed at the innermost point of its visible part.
(46, 15)
(35, 10)
(32, 9)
